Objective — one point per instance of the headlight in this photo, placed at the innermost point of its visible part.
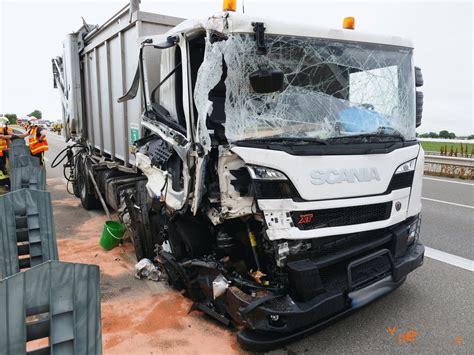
(262, 173)
(414, 230)
(406, 167)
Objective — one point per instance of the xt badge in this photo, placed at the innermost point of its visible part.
(306, 218)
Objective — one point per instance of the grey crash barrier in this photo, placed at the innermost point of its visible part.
(27, 234)
(53, 308)
(18, 149)
(24, 160)
(28, 177)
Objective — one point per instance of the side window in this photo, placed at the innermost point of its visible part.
(166, 96)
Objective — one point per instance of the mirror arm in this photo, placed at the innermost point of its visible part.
(142, 76)
(132, 92)
(152, 96)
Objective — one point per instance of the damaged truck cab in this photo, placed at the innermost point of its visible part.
(294, 192)
(277, 177)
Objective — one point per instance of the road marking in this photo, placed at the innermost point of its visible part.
(449, 258)
(446, 202)
(451, 182)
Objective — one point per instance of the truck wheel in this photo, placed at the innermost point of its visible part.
(88, 199)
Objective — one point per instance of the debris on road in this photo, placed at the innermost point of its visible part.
(145, 268)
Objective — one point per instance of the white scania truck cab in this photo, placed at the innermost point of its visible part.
(270, 169)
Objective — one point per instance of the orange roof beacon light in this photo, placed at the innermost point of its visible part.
(230, 5)
(348, 23)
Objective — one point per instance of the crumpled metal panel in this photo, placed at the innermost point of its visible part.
(27, 234)
(56, 305)
(28, 177)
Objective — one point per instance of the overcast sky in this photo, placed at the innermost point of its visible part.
(31, 33)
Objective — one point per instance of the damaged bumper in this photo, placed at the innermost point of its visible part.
(273, 320)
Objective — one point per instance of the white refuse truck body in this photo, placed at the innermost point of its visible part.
(271, 169)
(96, 68)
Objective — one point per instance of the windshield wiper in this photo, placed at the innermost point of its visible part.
(381, 132)
(289, 140)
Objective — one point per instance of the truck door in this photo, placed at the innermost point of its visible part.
(166, 118)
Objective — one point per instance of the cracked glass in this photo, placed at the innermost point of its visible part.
(331, 89)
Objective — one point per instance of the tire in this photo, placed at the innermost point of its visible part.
(88, 199)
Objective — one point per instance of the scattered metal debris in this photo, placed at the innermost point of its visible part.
(145, 268)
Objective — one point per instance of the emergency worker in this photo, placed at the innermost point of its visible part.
(5, 134)
(37, 139)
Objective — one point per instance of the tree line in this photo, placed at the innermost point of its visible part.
(442, 134)
(12, 117)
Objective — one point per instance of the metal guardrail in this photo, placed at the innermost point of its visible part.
(446, 160)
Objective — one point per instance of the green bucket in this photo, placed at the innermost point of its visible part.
(112, 234)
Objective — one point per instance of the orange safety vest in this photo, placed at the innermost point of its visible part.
(3, 141)
(36, 146)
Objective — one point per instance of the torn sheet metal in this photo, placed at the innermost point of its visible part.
(146, 269)
(233, 204)
(159, 183)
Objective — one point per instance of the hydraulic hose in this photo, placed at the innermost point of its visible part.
(69, 155)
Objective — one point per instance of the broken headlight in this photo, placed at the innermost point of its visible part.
(271, 184)
(263, 173)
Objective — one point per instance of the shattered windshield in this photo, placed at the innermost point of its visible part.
(331, 89)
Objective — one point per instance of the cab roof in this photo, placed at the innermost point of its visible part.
(238, 23)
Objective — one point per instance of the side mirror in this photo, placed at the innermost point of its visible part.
(418, 77)
(266, 80)
(419, 107)
(419, 96)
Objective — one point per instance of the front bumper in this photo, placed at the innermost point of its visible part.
(277, 320)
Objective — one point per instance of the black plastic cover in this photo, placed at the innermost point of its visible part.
(305, 282)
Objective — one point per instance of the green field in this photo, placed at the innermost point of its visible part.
(436, 146)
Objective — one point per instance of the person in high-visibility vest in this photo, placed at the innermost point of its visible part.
(37, 139)
(5, 134)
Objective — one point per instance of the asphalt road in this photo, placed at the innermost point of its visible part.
(432, 313)
(448, 216)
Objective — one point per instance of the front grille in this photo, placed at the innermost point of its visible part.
(344, 216)
(401, 181)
